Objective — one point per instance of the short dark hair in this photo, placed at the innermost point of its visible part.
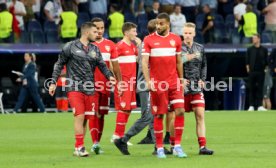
(86, 25)
(163, 16)
(127, 26)
(97, 19)
(151, 26)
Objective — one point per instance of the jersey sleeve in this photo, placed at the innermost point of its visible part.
(113, 52)
(146, 47)
(178, 45)
(203, 73)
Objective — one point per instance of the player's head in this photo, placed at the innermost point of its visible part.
(89, 30)
(151, 26)
(163, 24)
(189, 32)
(256, 39)
(100, 27)
(130, 30)
(28, 57)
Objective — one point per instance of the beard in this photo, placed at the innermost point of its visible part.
(161, 32)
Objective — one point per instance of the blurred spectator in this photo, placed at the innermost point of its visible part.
(177, 21)
(138, 7)
(5, 24)
(29, 84)
(189, 9)
(148, 5)
(68, 24)
(262, 4)
(19, 11)
(270, 18)
(98, 7)
(256, 62)
(268, 83)
(83, 6)
(36, 9)
(52, 11)
(213, 4)
(29, 10)
(239, 10)
(167, 6)
(115, 22)
(248, 23)
(155, 10)
(73, 3)
(208, 25)
(225, 7)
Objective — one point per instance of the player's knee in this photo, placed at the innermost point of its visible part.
(179, 112)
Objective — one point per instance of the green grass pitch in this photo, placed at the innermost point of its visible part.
(240, 140)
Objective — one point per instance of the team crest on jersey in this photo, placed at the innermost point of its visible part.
(123, 104)
(107, 48)
(92, 54)
(172, 42)
(154, 108)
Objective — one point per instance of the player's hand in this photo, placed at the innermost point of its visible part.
(138, 41)
(120, 88)
(112, 80)
(52, 89)
(186, 82)
(150, 86)
(18, 80)
(201, 84)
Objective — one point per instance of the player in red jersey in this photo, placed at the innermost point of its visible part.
(110, 57)
(127, 54)
(162, 53)
(195, 73)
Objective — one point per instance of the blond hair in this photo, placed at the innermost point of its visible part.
(190, 24)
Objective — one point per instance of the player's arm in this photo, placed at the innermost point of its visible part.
(247, 61)
(114, 63)
(62, 60)
(203, 73)
(179, 67)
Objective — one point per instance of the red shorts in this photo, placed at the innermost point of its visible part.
(127, 101)
(160, 100)
(193, 101)
(83, 104)
(104, 102)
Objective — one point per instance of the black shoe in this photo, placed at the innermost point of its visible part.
(205, 151)
(146, 140)
(166, 151)
(122, 146)
(167, 138)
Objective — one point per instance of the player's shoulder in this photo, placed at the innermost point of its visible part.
(152, 35)
(67, 46)
(109, 42)
(198, 45)
(171, 34)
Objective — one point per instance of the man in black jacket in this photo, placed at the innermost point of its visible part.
(256, 62)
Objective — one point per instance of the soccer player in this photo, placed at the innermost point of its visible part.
(195, 72)
(162, 53)
(127, 53)
(110, 56)
(81, 58)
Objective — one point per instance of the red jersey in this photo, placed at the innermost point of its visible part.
(109, 53)
(162, 52)
(127, 55)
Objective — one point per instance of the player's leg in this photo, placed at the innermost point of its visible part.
(177, 101)
(143, 121)
(77, 102)
(199, 110)
(104, 103)
(172, 133)
(167, 135)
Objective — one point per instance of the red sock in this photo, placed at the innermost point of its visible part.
(94, 129)
(121, 121)
(172, 140)
(201, 141)
(158, 131)
(79, 140)
(101, 126)
(178, 128)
